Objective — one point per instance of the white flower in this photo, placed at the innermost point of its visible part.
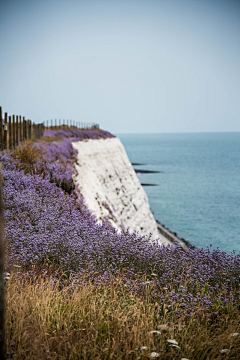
(153, 355)
(141, 348)
(6, 276)
(224, 351)
(155, 332)
(173, 342)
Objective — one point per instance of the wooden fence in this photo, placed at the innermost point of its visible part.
(15, 128)
(64, 124)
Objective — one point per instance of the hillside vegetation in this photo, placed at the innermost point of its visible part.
(80, 290)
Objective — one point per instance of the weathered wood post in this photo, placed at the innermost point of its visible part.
(17, 140)
(24, 129)
(1, 130)
(25, 136)
(13, 132)
(10, 132)
(5, 131)
(38, 131)
(20, 128)
(29, 129)
(2, 300)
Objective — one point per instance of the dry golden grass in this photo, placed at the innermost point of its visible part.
(26, 156)
(49, 139)
(107, 322)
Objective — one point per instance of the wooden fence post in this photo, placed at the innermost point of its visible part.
(10, 132)
(5, 131)
(24, 128)
(29, 129)
(17, 130)
(2, 300)
(13, 132)
(1, 130)
(20, 128)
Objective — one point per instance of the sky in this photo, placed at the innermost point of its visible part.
(133, 66)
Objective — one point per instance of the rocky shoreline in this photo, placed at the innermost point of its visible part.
(172, 236)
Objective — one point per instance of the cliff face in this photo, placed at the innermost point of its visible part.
(111, 188)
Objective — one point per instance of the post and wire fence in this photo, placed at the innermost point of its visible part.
(14, 129)
(66, 124)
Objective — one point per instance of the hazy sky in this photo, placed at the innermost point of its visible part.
(131, 66)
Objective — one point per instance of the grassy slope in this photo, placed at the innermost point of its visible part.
(102, 300)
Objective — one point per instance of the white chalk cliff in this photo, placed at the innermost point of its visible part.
(111, 188)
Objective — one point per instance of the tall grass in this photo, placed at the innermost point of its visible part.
(89, 320)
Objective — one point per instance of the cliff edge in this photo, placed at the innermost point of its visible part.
(111, 188)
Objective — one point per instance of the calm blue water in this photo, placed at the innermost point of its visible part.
(199, 188)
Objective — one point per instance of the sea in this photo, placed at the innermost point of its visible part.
(195, 190)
